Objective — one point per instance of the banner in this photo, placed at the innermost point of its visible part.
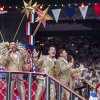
(56, 13)
(83, 11)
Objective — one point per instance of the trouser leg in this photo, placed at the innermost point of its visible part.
(21, 89)
(39, 89)
(52, 92)
(65, 94)
(12, 88)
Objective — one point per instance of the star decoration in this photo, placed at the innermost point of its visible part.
(35, 7)
(27, 8)
(43, 16)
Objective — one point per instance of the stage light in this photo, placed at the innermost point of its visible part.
(55, 5)
(69, 5)
(10, 7)
(89, 4)
(49, 5)
(62, 5)
(82, 6)
(16, 7)
(1, 8)
(41, 7)
(76, 51)
(75, 4)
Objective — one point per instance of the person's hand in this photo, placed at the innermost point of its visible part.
(81, 68)
(72, 59)
(10, 50)
(70, 64)
(35, 53)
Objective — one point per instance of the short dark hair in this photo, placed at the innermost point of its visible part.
(11, 42)
(60, 51)
(51, 46)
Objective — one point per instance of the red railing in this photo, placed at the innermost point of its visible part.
(48, 77)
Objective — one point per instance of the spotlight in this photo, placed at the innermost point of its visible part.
(69, 5)
(41, 7)
(76, 51)
(49, 5)
(82, 6)
(16, 7)
(10, 7)
(75, 4)
(89, 4)
(1, 8)
(62, 5)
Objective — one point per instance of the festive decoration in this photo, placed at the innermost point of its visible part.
(97, 9)
(19, 27)
(35, 7)
(32, 11)
(70, 12)
(28, 28)
(56, 13)
(27, 8)
(1, 36)
(31, 39)
(32, 18)
(83, 11)
(42, 18)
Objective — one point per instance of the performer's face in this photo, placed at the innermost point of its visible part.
(98, 90)
(12, 45)
(52, 51)
(64, 54)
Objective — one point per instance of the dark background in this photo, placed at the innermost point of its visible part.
(20, 2)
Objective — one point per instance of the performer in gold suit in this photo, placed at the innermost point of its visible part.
(13, 57)
(65, 71)
(46, 65)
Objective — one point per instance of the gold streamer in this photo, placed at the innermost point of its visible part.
(19, 27)
(37, 28)
(1, 36)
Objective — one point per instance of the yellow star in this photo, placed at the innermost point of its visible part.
(43, 16)
(27, 8)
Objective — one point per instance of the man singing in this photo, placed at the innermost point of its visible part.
(14, 58)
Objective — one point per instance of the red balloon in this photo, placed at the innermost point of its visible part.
(97, 9)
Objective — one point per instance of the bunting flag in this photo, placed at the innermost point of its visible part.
(56, 13)
(31, 39)
(70, 11)
(32, 18)
(97, 9)
(83, 11)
